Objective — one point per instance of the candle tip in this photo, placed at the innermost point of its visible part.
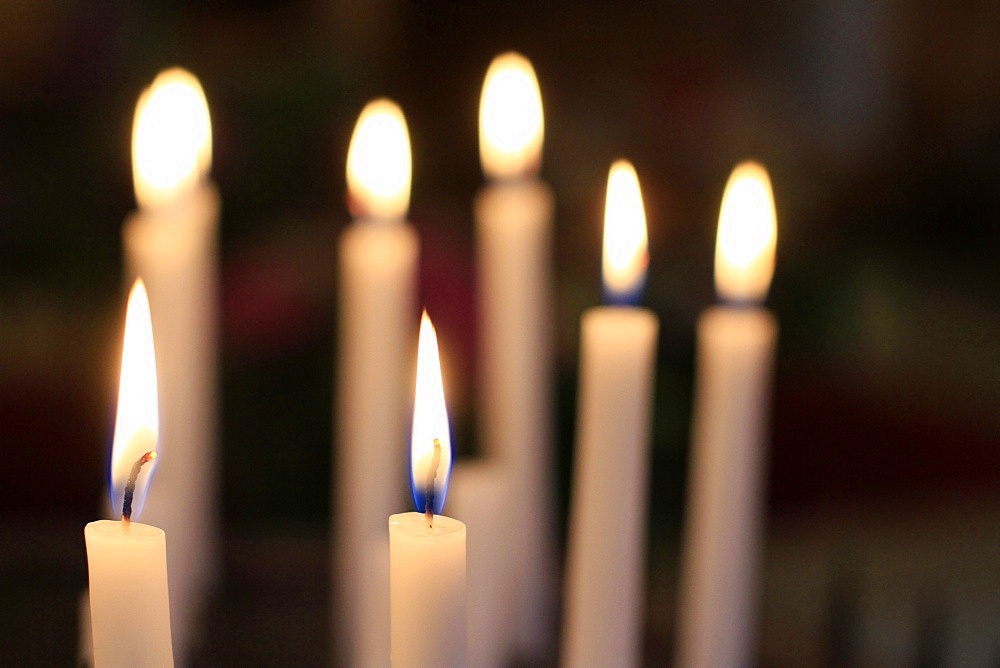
(429, 487)
(130, 488)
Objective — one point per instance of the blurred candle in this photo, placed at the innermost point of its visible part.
(513, 237)
(606, 552)
(723, 529)
(427, 549)
(377, 302)
(127, 561)
(171, 241)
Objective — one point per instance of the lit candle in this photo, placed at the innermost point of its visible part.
(127, 561)
(606, 552)
(427, 549)
(736, 342)
(377, 304)
(513, 237)
(171, 241)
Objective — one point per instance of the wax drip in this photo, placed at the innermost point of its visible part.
(429, 486)
(130, 489)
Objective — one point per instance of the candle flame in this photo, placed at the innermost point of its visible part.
(171, 138)
(137, 422)
(625, 256)
(431, 436)
(744, 249)
(379, 169)
(511, 123)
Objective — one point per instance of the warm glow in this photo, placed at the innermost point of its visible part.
(171, 138)
(511, 124)
(137, 422)
(378, 162)
(430, 421)
(744, 249)
(625, 256)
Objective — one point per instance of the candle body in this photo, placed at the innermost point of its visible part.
(723, 526)
(173, 249)
(427, 581)
(129, 605)
(376, 330)
(513, 236)
(478, 492)
(606, 553)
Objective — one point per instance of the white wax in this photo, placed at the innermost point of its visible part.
(479, 492)
(173, 248)
(513, 234)
(376, 333)
(428, 591)
(129, 605)
(723, 525)
(606, 552)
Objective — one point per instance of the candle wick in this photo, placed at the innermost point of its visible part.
(130, 490)
(429, 485)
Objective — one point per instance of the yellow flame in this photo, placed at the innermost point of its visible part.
(511, 123)
(430, 415)
(625, 256)
(748, 230)
(171, 138)
(379, 167)
(137, 422)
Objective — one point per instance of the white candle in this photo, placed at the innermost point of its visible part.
(606, 553)
(377, 303)
(478, 492)
(127, 561)
(171, 241)
(426, 549)
(513, 236)
(719, 570)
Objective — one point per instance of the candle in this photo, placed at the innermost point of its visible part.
(127, 561)
(427, 549)
(736, 343)
(478, 489)
(605, 572)
(513, 236)
(171, 242)
(377, 301)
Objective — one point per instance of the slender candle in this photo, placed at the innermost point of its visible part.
(736, 342)
(427, 549)
(513, 233)
(606, 553)
(127, 561)
(377, 302)
(171, 241)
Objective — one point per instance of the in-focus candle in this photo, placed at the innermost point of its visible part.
(127, 561)
(427, 549)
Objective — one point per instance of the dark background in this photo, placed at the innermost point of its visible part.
(879, 123)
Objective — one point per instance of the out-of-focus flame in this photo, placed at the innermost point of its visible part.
(430, 423)
(137, 422)
(744, 249)
(171, 138)
(625, 257)
(379, 168)
(511, 123)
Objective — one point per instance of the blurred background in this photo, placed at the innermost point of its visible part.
(879, 123)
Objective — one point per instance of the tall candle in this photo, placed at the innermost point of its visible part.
(377, 301)
(513, 237)
(427, 549)
(171, 241)
(736, 342)
(127, 561)
(606, 552)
